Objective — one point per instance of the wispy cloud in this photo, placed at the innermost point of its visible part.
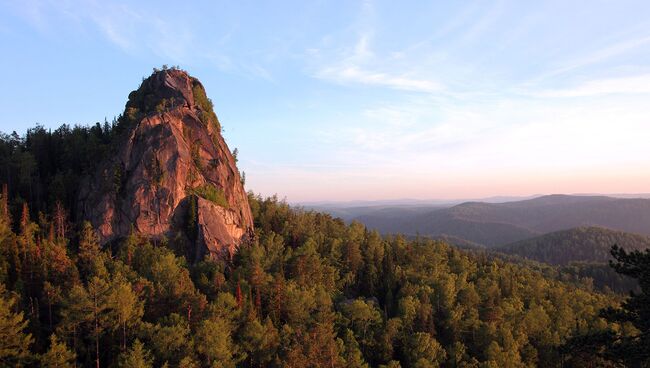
(360, 65)
(436, 91)
(31, 11)
(258, 71)
(596, 56)
(130, 29)
(483, 23)
(124, 25)
(639, 84)
(509, 133)
(353, 74)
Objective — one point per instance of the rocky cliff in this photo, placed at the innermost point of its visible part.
(172, 174)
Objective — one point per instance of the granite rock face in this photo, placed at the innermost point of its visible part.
(172, 174)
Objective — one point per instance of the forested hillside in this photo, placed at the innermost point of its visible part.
(309, 291)
(44, 167)
(583, 244)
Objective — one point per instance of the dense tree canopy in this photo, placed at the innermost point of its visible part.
(627, 339)
(45, 167)
(309, 291)
(582, 244)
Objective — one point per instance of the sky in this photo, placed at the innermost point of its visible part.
(363, 100)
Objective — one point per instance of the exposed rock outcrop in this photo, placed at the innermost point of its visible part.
(172, 174)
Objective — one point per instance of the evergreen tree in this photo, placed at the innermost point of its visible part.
(136, 357)
(171, 340)
(423, 351)
(14, 341)
(353, 356)
(58, 355)
(214, 343)
(125, 308)
(90, 256)
(630, 347)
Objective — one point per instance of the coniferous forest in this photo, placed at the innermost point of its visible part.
(306, 291)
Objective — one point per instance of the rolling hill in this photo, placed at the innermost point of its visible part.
(494, 224)
(582, 244)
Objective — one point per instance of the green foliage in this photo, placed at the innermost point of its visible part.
(118, 177)
(214, 343)
(125, 309)
(196, 156)
(191, 218)
(309, 291)
(627, 342)
(136, 357)
(423, 351)
(163, 106)
(58, 355)
(211, 193)
(156, 170)
(600, 275)
(15, 342)
(132, 114)
(170, 339)
(207, 114)
(583, 244)
(90, 260)
(45, 166)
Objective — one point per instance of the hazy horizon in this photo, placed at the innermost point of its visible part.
(452, 201)
(364, 100)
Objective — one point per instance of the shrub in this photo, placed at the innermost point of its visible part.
(211, 193)
(207, 114)
(196, 156)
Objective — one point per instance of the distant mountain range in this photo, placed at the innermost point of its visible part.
(494, 224)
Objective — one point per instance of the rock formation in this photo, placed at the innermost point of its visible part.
(172, 174)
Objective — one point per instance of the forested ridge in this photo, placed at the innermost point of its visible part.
(583, 244)
(44, 167)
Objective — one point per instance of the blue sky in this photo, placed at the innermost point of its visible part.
(363, 100)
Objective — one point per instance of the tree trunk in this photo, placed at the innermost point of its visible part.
(124, 335)
(49, 308)
(96, 331)
(74, 342)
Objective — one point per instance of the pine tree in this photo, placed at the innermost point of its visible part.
(353, 356)
(125, 308)
(240, 298)
(84, 315)
(97, 292)
(422, 350)
(90, 256)
(14, 342)
(259, 341)
(136, 357)
(58, 355)
(214, 343)
(9, 263)
(60, 220)
(4, 205)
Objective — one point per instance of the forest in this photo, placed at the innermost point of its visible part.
(308, 290)
(583, 244)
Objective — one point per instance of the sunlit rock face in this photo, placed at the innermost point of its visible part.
(171, 174)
